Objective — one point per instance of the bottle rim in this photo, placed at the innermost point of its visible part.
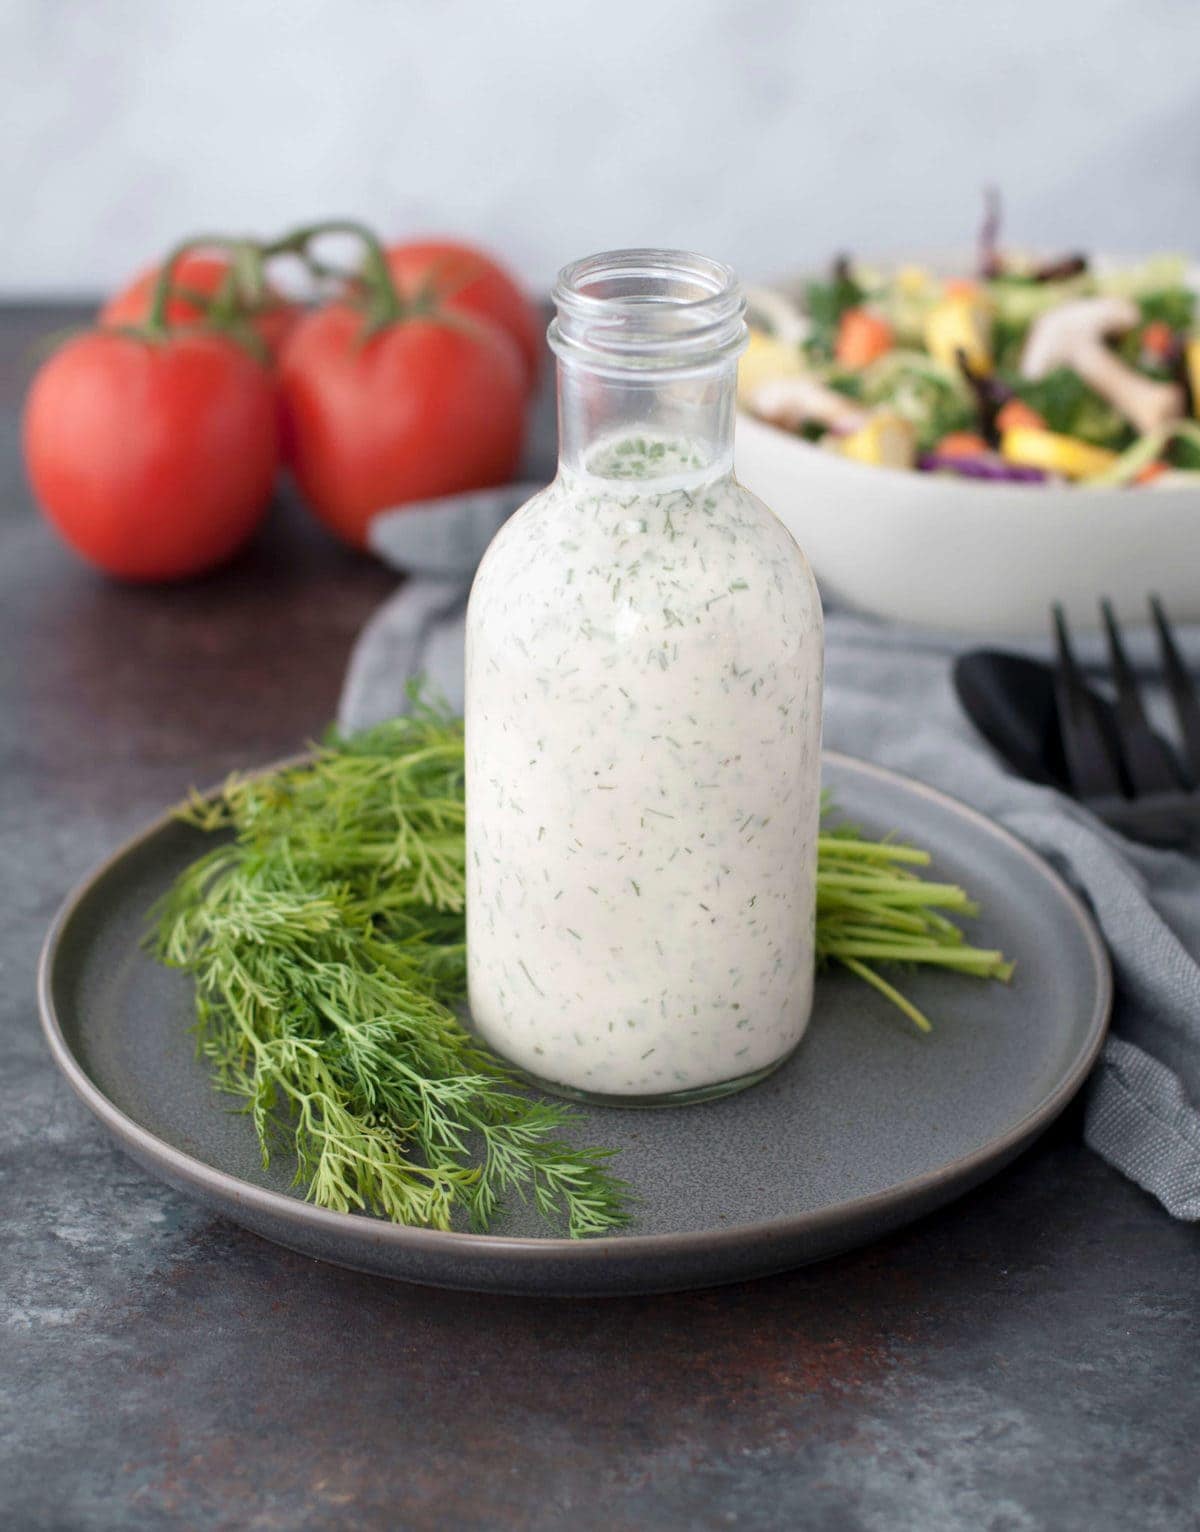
(648, 310)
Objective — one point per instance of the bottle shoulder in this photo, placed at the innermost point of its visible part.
(593, 529)
(702, 556)
(793, 553)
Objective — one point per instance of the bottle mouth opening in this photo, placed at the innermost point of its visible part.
(648, 311)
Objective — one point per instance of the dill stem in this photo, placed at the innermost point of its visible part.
(890, 992)
(831, 848)
(897, 890)
(967, 959)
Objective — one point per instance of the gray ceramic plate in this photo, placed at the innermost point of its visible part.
(868, 1126)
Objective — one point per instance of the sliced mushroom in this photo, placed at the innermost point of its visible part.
(799, 401)
(1072, 335)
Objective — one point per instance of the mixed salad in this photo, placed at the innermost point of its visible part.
(1021, 371)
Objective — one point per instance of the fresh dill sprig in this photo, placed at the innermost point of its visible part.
(326, 938)
(326, 942)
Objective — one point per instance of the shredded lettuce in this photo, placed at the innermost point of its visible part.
(1173, 306)
(1070, 407)
(932, 398)
(1161, 273)
(1181, 439)
(1017, 304)
(825, 303)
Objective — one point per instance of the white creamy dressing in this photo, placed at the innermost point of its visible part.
(643, 738)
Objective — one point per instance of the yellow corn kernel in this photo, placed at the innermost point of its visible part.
(886, 441)
(961, 323)
(1033, 448)
(912, 281)
(764, 359)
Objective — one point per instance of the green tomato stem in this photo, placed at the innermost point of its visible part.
(384, 303)
(226, 312)
(156, 320)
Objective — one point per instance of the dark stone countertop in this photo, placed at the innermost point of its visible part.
(1029, 1358)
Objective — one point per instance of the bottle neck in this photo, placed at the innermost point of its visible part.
(630, 425)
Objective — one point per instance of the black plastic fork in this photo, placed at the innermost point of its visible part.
(1116, 762)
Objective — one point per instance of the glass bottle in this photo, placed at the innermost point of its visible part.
(643, 715)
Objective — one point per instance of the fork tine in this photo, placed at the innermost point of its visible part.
(1149, 765)
(1091, 763)
(1181, 687)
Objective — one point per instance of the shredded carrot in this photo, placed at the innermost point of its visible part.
(1158, 339)
(961, 444)
(1017, 413)
(960, 287)
(1151, 472)
(862, 337)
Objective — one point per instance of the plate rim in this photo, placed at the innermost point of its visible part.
(596, 1251)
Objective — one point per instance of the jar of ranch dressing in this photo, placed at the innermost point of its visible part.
(643, 719)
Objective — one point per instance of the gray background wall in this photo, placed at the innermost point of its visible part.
(768, 132)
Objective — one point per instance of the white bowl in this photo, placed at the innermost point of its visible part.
(972, 555)
(977, 557)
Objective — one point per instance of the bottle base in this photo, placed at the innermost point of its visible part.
(692, 1096)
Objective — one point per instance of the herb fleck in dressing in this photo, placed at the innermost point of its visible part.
(643, 735)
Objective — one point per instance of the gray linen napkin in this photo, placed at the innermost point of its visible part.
(889, 698)
(439, 544)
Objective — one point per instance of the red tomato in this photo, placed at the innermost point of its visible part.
(425, 407)
(202, 273)
(461, 277)
(154, 459)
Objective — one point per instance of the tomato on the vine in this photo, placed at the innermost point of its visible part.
(460, 277)
(203, 273)
(154, 457)
(421, 405)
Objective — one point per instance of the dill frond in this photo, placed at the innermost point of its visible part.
(327, 947)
